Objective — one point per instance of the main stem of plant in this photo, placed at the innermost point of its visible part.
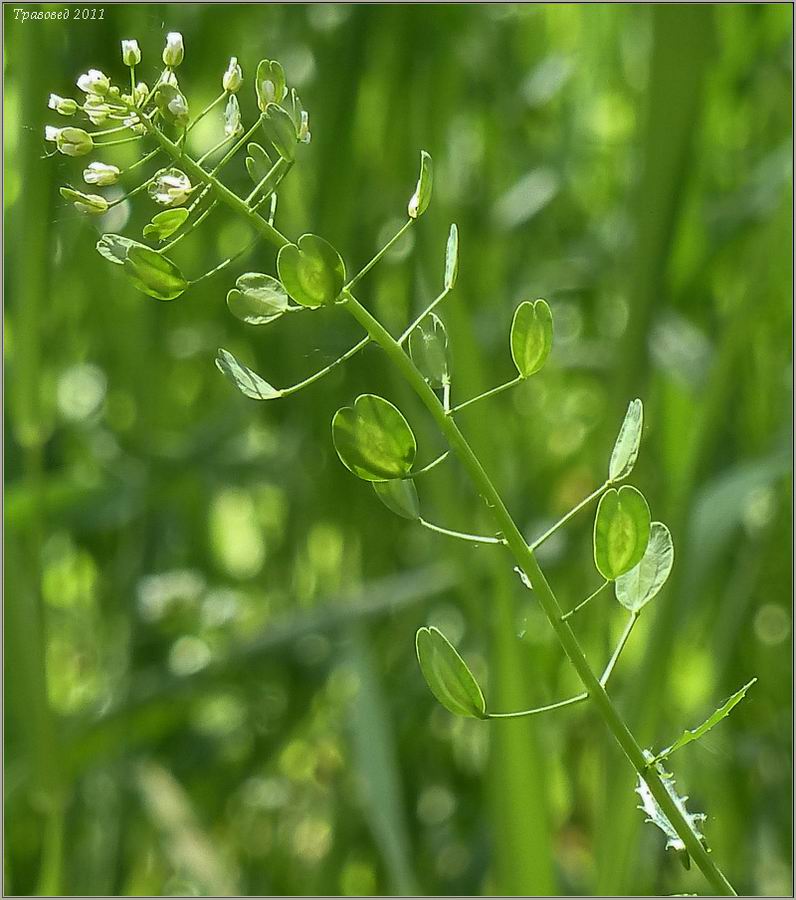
(516, 543)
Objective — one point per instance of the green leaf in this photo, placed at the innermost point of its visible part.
(448, 675)
(428, 347)
(422, 195)
(452, 258)
(373, 439)
(280, 131)
(269, 83)
(637, 587)
(114, 247)
(311, 271)
(165, 223)
(656, 816)
(257, 299)
(153, 273)
(694, 734)
(245, 380)
(531, 336)
(621, 531)
(400, 496)
(625, 452)
(258, 162)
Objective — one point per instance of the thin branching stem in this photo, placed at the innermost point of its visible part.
(462, 535)
(430, 308)
(429, 466)
(396, 237)
(573, 512)
(522, 553)
(585, 602)
(192, 227)
(286, 392)
(491, 393)
(206, 110)
(619, 648)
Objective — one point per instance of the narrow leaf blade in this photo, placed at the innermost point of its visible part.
(399, 496)
(694, 734)
(245, 380)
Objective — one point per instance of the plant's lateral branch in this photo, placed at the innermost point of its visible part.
(462, 535)
(523, 553)
(573, 512)
(419, 319)
(491, 393)
(583, 603)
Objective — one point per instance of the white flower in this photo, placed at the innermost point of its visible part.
(174, 51)
(63, 105)
(101, 173)
(131, 53)
(51, 133)
(170, 187)
(233, 77)
(94, 82)
(178, 106)
(169, 78)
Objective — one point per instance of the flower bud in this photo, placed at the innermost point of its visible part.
(174, 51)
(96, 109)
(304, 128)
(74, 142)
(101, 174)
(131, 53)
(232, 124)
(140, 93)
(94, 82)
(63, 105)
(86, 203)
(171, 187)
(233, 77)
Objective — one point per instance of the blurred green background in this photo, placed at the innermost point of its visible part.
(210, 679)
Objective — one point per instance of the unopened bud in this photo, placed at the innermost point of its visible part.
(96, 109)
(63, 105)
(140, 93)
(94, 82)
(304, 128)
(101, 174)
(131, 53)
(233, 77)
(174, 50)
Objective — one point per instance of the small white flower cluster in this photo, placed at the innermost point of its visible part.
(171, 187)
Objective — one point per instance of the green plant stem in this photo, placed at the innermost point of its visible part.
(140, 162)
(286, 392)
(574, 511)
(520, 550)
(571, 701)
(526, 559)
(422, 315)
(619, 648)
(429, 466)
(583, 603)
(364, 271)
(491, 393)
(462, 535)
(206, 110)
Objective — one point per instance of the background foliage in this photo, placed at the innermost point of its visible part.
(210, 679)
